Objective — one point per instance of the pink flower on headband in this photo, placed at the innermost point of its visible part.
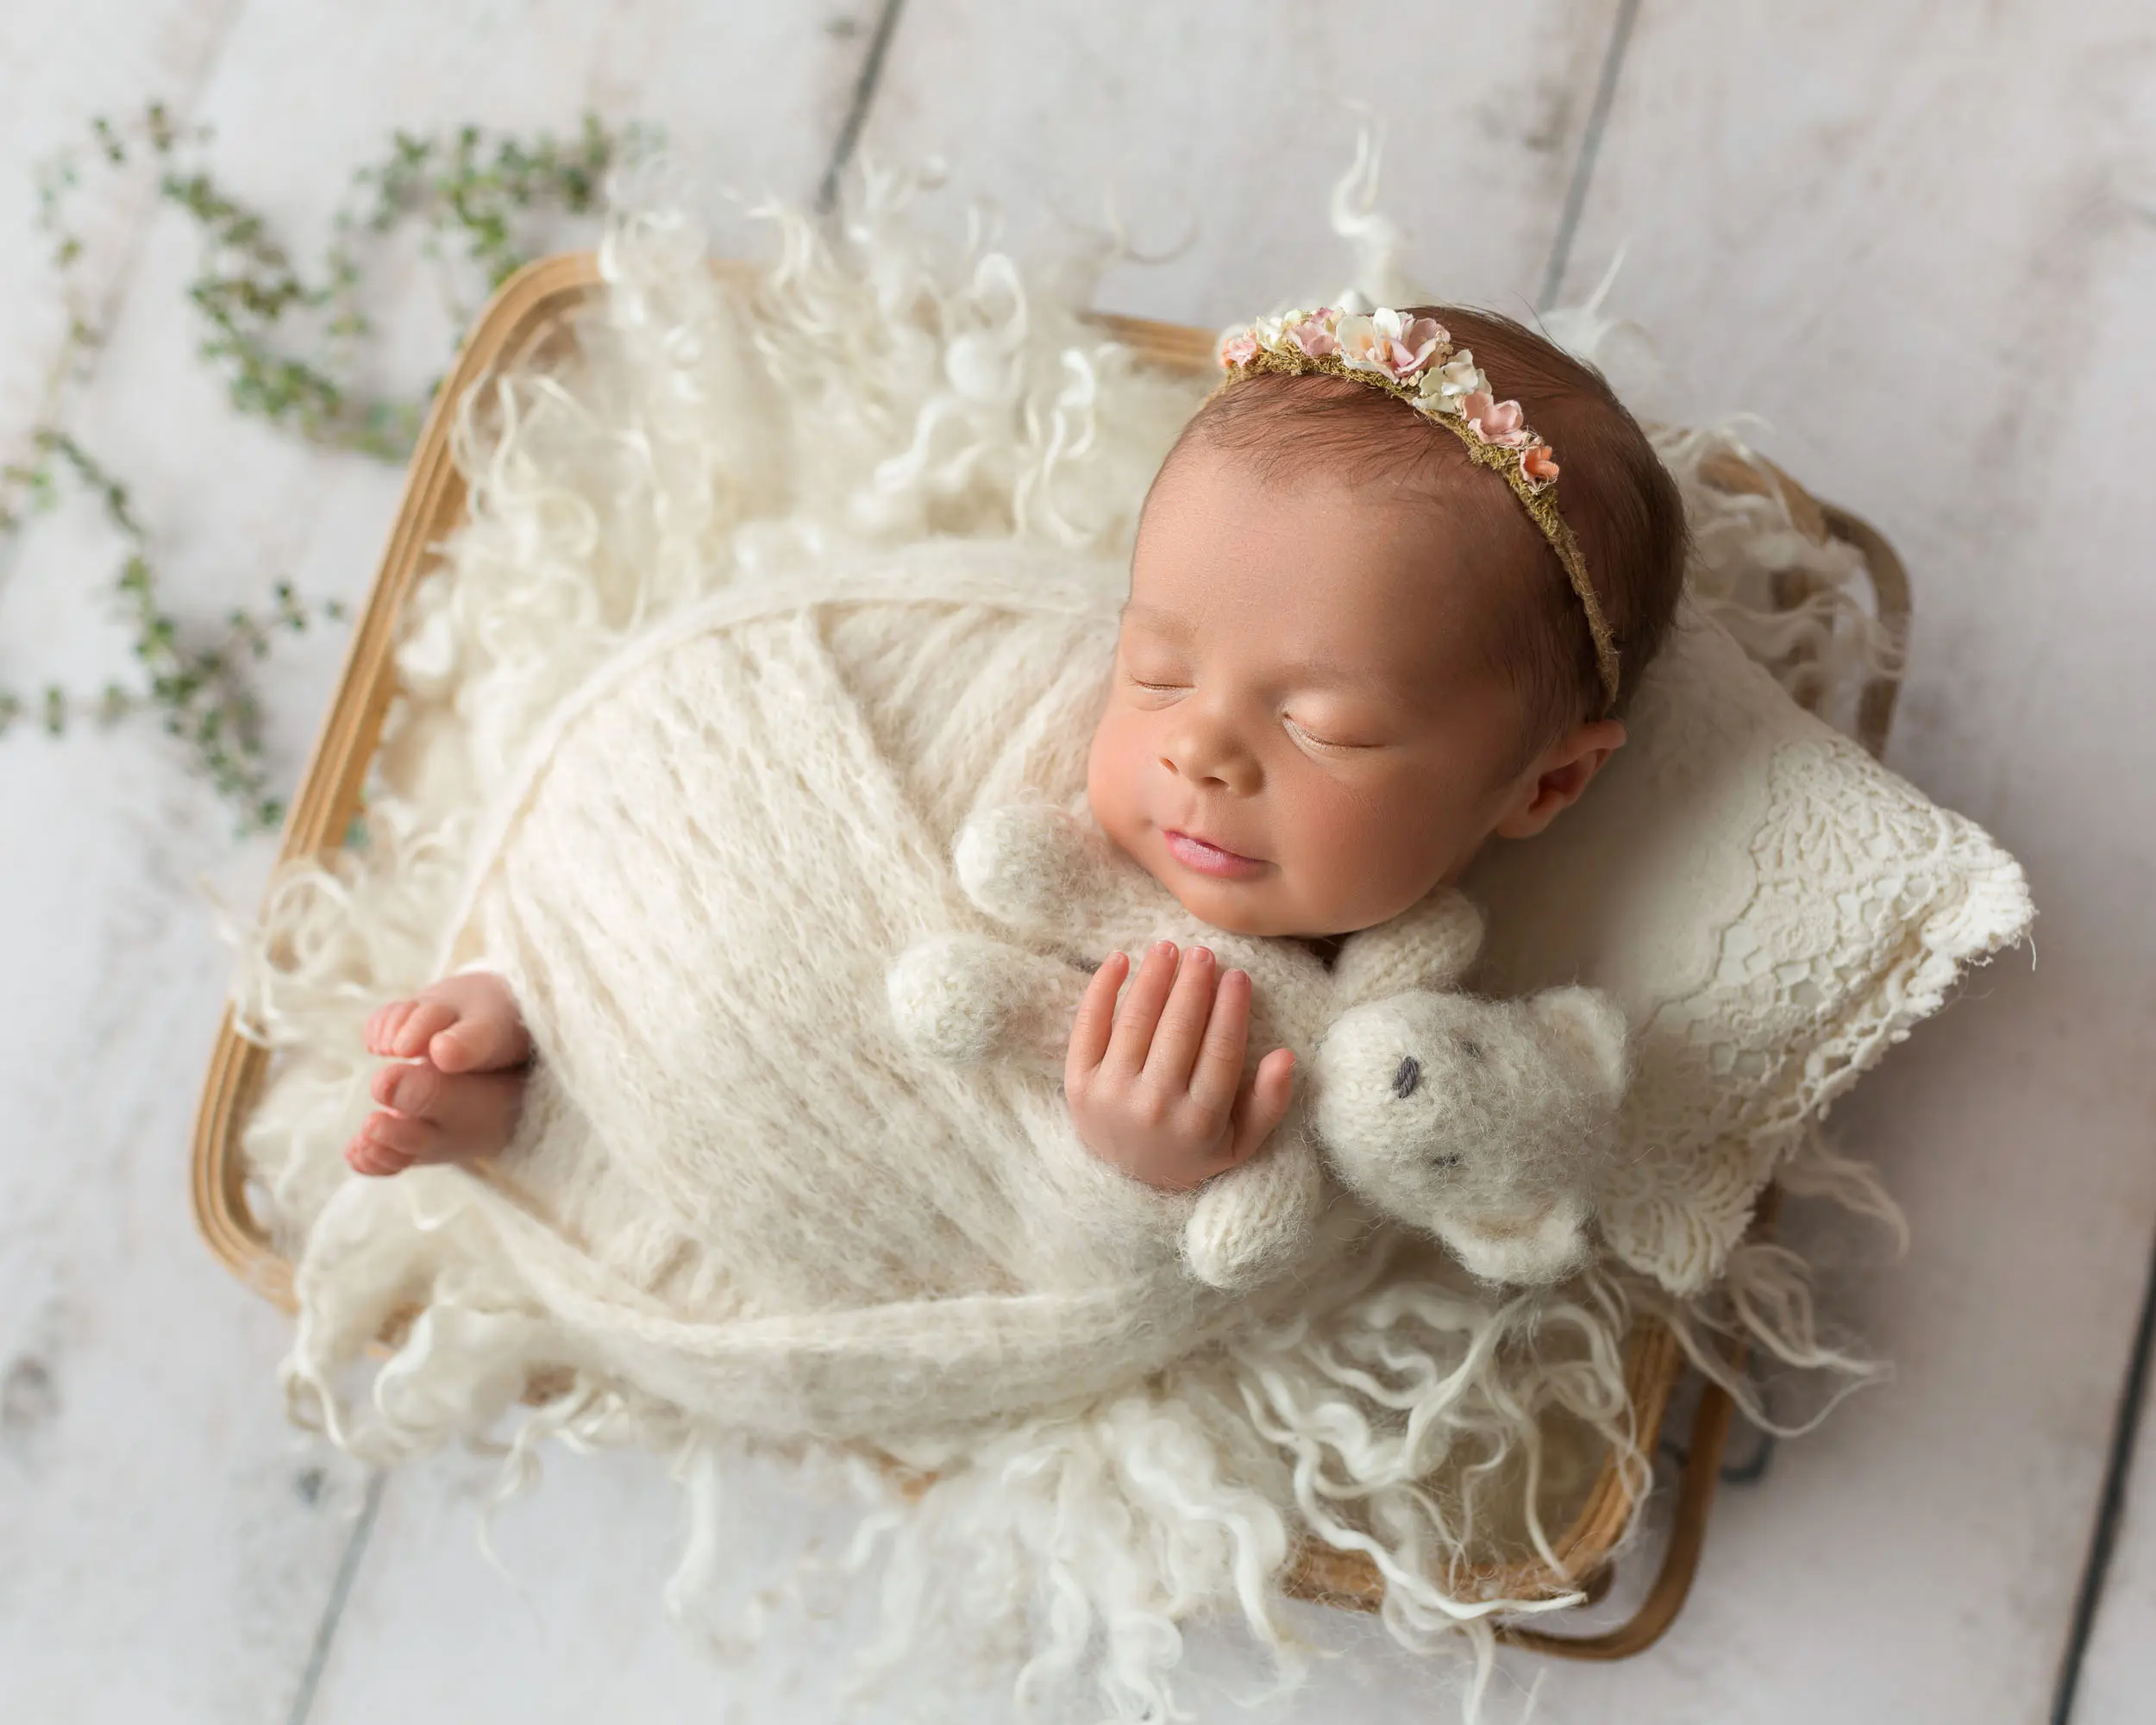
(1538, 462)
(1390, 342)
(1314, 337)
(1238, 349)
(1496, 422)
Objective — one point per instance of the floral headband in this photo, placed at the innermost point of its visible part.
(1413, 359)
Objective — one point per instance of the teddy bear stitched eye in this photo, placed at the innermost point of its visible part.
(1407, 1075)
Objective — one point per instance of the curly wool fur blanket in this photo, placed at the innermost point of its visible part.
(735, 1211)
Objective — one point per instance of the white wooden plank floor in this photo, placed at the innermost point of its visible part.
(1878, 223)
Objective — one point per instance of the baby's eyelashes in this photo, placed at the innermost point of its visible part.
(1312, 737)
(1309, 736)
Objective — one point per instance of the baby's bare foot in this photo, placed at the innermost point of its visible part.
(462, 1024)
(428, 1115)
(456, 1090)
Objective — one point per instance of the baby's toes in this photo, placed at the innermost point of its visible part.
(404, 1136)
(364, 1157)
(426, 1020)
(480, 1044)
(489, 1034)
(407, 1089)
(442, 1117)
(382, 1027)
(372, 1151)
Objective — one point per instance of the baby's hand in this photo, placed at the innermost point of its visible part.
(1157, 1090)
(457, 1089)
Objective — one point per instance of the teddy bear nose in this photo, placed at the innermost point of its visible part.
(1407, 1075)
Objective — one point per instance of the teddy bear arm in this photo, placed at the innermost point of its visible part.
(1253, 1220)
(968, 999)
(1429, 945)
(1041, 870)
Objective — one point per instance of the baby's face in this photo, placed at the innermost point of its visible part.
(1306, 731)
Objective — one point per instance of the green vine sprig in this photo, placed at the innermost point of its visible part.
(288, 344)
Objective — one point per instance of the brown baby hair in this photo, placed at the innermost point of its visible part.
(1622, 505)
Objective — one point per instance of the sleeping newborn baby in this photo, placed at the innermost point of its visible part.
(1367, 632)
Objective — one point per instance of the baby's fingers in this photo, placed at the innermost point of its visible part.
(1265, 1104)
(1218, 1072)
(1134, 1024)
(1096, 1019)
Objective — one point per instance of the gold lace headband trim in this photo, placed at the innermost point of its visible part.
(1413, 359)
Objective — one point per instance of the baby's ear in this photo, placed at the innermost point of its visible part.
(1590, 1026)
(1428, 945)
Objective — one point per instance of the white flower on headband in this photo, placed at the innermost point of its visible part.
(1390, 342)
(1442, 387)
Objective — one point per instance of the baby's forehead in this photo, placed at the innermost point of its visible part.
(1366, 487)
(1437, 545)
(1403, 597)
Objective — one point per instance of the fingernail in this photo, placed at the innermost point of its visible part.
(1165, 948)
(1202, 953)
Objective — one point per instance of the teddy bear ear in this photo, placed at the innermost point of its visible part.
(1590, 1025)
(1428, 945)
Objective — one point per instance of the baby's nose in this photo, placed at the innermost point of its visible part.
(1205, 750)
(1234, 771)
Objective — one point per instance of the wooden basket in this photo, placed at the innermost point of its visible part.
(532, 311)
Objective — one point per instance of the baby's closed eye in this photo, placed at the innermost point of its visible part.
(1321, 740)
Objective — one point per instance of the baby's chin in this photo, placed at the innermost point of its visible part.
(1235, 906)
(1264, 907)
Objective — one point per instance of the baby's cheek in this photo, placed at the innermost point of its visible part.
(1372, 855)
(1111, 779)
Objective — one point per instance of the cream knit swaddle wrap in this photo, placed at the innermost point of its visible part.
(695, 890)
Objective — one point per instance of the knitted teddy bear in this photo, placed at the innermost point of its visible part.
(1484, 1122)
